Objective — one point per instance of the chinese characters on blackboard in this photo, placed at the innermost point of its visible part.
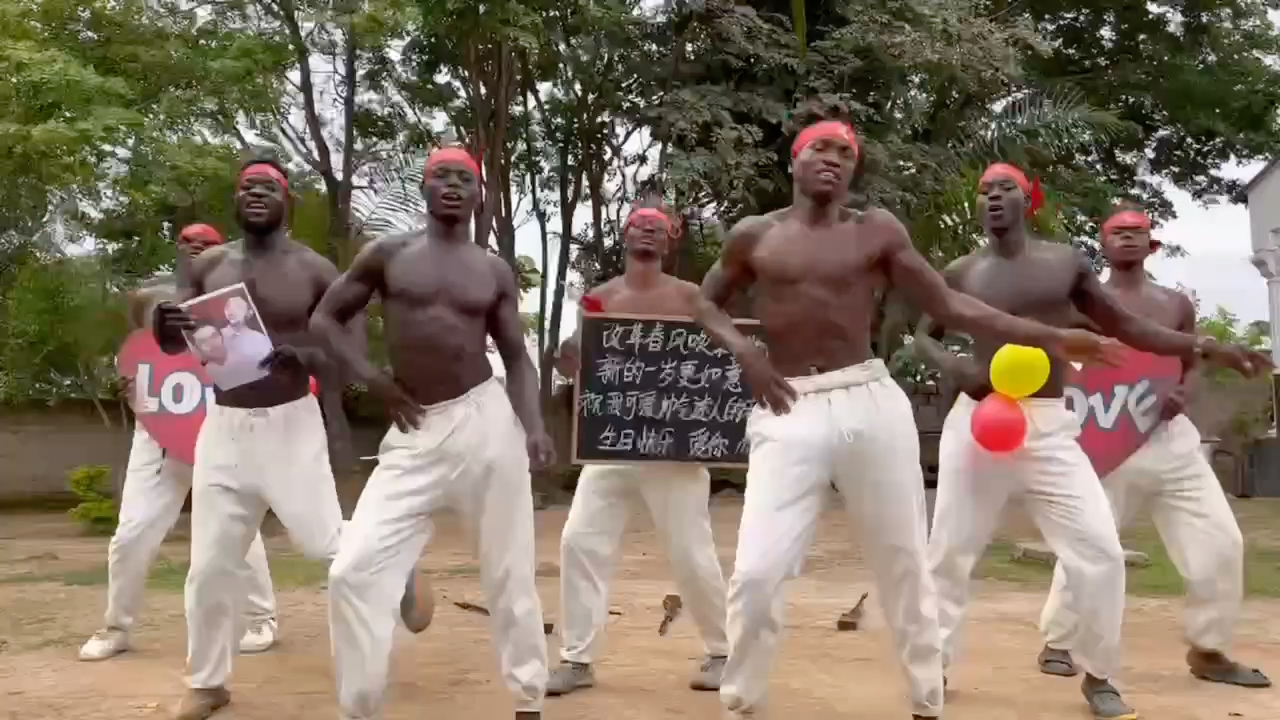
(659, 390)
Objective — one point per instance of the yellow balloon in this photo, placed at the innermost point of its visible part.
(1019, 371)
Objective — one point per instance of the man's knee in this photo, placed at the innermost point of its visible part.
(578, 542)
(349, 571)
(754, 585)
(1101, 559)
(212, 570)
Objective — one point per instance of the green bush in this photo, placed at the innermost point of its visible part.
(97, 512)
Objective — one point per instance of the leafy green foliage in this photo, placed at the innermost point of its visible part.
(1236, 409)
(122, 121)
(97, 512)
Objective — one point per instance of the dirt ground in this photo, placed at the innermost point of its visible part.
(51, 599)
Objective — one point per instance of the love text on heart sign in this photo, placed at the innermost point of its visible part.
(1139, 400)
(179, 393)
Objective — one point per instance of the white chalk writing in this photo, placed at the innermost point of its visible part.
(659, 390)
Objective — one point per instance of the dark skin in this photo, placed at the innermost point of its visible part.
(819, 272)
(443, 296)
(642, 289)
(286, 281)
(1126, 249)
(1054, 284)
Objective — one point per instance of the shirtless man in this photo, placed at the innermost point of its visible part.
(676, 495)
(1171, 475)
(155, 487)
(831, 411)
(456, 442)
(263, 444)
(1052, 283)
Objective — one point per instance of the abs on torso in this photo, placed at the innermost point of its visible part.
(1037, 285)
(817, 291)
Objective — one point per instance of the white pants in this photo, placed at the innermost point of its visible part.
(854, 426)
(1170, 475)
(469, 455)
(676, 496)
(249, 460)
(155, 486)
(1067, 503)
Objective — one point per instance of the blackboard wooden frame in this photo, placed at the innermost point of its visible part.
(577, 390)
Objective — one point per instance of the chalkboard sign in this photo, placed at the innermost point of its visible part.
(657, 389)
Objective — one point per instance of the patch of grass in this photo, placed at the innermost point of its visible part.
(1259, 521)
(288, 571)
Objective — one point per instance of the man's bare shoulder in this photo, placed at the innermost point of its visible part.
(205, 262)
(380, 251)
(312, 260)
(885, 231)
(959, 267)
(1174, 295)
(502, 272)
(606, 288)
(1058, 251)
(753, 227)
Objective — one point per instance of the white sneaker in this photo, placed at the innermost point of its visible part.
(259, 637)
(106, 643)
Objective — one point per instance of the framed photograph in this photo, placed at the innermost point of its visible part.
(229, 338)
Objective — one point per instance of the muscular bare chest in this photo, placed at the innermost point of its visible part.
(1036, 286)
(423, 276)
(844, 258)
(283, 288)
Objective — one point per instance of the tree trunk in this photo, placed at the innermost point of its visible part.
(570, 193)
(541, 215)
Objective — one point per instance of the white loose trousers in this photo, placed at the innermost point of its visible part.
(469, 454)
(155, 487)
(854, 426)
(676, 496)
(1170, 476)
(1066, 502)
(249, 460)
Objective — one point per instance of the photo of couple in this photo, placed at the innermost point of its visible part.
(228, 338)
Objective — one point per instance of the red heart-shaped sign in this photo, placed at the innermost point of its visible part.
(1119, 407)
(169, 393)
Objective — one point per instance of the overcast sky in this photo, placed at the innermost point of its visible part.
(1217, 263)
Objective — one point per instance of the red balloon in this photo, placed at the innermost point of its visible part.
(998, 424)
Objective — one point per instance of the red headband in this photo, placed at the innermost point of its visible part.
(1127, 219)
(824, 129)
(267, 169)
(201, 232)
(644, 213)
(451, 155)
(1030, 188)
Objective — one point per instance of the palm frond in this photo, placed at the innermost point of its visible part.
(391, 199)
(1051, 122)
